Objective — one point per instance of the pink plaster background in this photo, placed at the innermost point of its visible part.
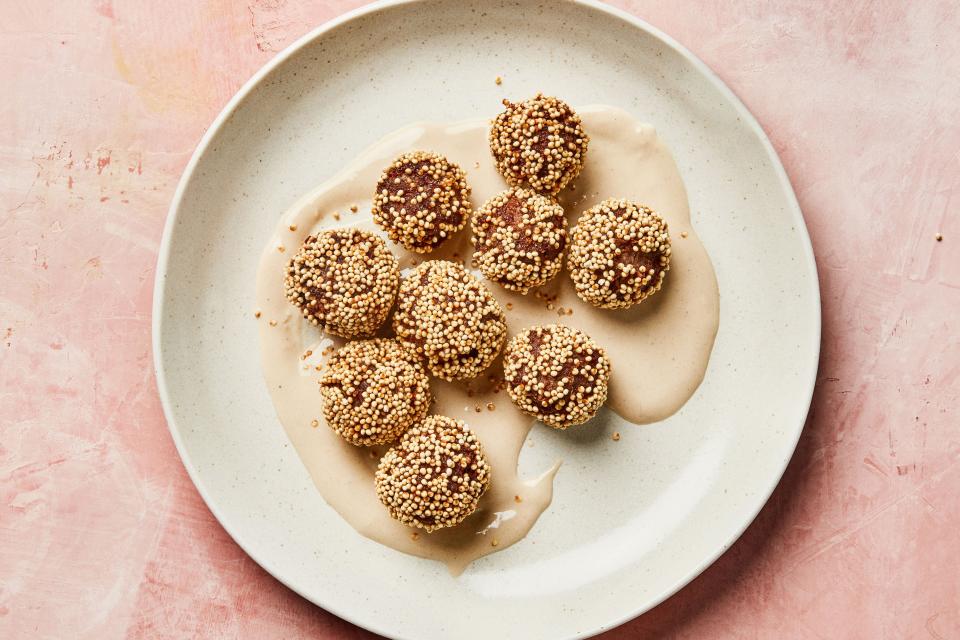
(103, 535)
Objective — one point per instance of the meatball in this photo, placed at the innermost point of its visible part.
(373, 391)
(556, 374)
(435, 475)
(619, 254)
(539, 142)
(520, 237)
(421, 200)
(450, 319)
(344, 281)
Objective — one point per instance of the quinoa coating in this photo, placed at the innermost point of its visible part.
(539, 142)
(556, 374)
(344, 281)
(373, 391)
(449, 318)
(435, 475)
(619, 254)
(421, 200)
(520, 237)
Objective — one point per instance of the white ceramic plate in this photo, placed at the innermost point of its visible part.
(632, 521)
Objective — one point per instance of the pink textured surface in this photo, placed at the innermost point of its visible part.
(103, 535)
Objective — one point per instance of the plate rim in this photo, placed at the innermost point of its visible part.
(163, 258)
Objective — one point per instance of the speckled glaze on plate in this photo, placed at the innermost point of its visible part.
(632, 520)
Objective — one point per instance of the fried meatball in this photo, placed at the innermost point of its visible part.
(435, 475)
(556, 374)
(449, 318)
(619, 254)
(539, 142)
(373, 391)
(519, 237)
(421, 200)
(344, 281)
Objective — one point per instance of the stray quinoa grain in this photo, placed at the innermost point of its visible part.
(556, 374)
(435, 475)
(619, 254)
(539, 142)
(344, 281)
(449, 318)
(373, 391)
(520, 237)
(421, 200)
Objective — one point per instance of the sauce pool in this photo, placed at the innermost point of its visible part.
(658, 349)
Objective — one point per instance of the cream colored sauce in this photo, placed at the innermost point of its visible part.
(659, 349)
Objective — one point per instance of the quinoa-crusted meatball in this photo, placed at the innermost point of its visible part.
(344, 281)
(539, 142)
(373, 391)
(421, 200)
(520, 237)
(556, 374)
(450, 319)
(619, 254)
(435, 475)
